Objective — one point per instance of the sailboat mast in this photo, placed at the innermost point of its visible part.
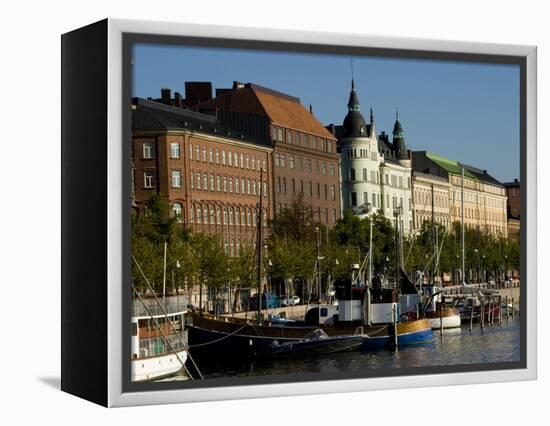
(259, 245)
(462, 225)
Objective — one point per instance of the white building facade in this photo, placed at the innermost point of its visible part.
(375, 173)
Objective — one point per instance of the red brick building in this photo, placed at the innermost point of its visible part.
(209, 173)
(513, 191)
(304, 161)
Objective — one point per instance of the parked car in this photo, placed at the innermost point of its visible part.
(290, 301)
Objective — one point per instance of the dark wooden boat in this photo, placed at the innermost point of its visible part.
(316, 343)
(237, 338)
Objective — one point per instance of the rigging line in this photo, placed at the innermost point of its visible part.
(164, 335)
(165, 314)
(245, 269)
(219, 339)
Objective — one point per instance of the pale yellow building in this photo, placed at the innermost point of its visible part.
(427, 191)
(484, 196)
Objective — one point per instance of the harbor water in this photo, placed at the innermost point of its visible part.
(459, 346)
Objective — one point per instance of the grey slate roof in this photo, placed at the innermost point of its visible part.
(150, 115)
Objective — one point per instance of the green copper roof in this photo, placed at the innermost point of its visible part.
(451, 166)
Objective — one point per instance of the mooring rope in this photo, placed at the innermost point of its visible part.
(217, 340)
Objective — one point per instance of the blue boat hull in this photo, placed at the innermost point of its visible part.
(412, 338)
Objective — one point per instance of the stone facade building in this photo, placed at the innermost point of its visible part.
(484, 196)
(305, 161)
(209, 173)
(374, 171)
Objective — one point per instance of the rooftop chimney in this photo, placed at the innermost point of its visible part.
(165, 96)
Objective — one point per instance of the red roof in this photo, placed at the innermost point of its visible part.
(281, 109)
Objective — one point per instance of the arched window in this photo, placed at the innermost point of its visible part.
(231, 215)
(177, 211)
(218, 216)
(238, 247)
(237, 218)
(230, 184)
(199, 214)
(205, 214)
(212, 216)
(249, 217)
(243, 214)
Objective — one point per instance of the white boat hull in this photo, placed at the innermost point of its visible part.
(451, 321)
(156, 367)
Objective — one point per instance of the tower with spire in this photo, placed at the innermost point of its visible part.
(375, 172)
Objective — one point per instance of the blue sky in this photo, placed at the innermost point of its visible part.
(465, 111)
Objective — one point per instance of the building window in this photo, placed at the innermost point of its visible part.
(219, 183)
(148, 178)
(199, 214)
(308, 164)
(192, 180)
(263, 165)
(205, 214)
(365, 197)
(231, 215)
(333, 192)
(249, 217)
(204, 155)
(190, 152)
(317, 167)
(400, 181)
(365, 175)
(176, 179)
(254, 187)
(212, 187)
(288, 137)
(352, 174)
(218, 215)
(242, 161)
(198, 181)
(282, 160)
(280, 134)
(236, 185)
(225, 215)
(236, 158)
(277, 160)
(332, 169)
(175, 150)
(353, 199)
(291, 162)
(237, 218)
(248, 185)
(293, 186)
(274, 135)
(253, 163)
(205, 181)
(224, 159)
(284, 185)
(265, 190)
(334, 215)
(326, 192)
(217, 156)
(230, 185)
(211, 155)
(224, 184)
(248, 162)
(318, 190)
(279, 184)
(198, 153)
(310, 189)
(374, 199)
(230, 159)
(147, 150)
(324, 168)
(301, 186)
